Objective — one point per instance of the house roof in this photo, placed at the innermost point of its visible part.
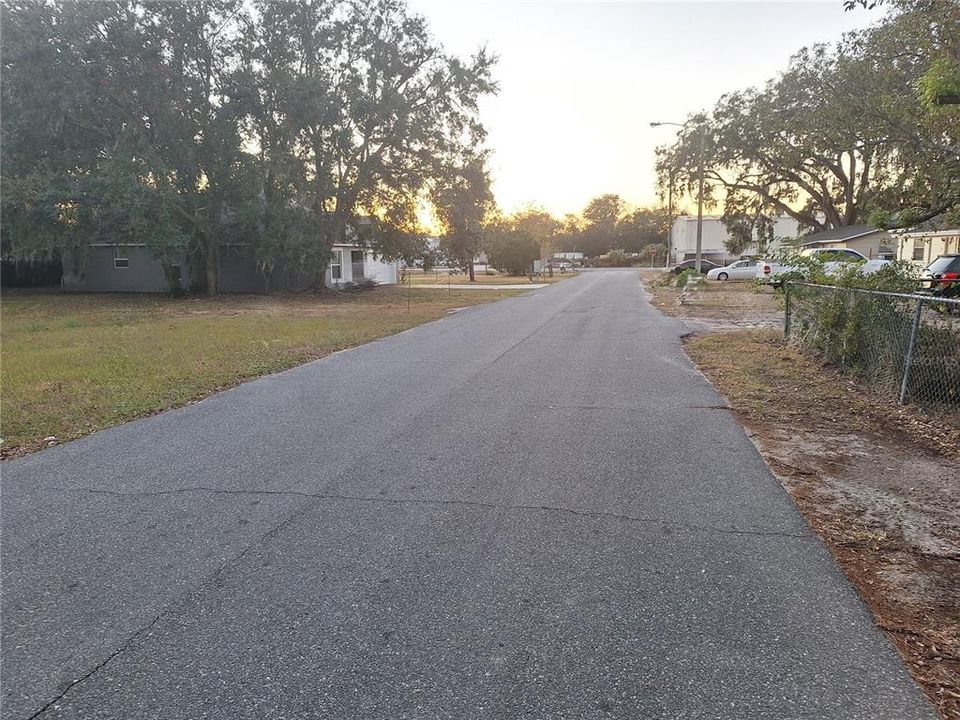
(930, 233)
(937, 225)
(840, 234)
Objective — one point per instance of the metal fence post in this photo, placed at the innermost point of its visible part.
(786, 310)
(909, 361)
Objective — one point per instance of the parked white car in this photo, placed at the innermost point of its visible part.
(834, 259)
(739, 270)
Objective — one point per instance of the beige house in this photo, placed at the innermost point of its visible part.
(869, 241)
(921, 247)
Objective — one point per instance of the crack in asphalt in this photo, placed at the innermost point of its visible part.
(99, 666)
(277, 528)
(448, 502)
(271, 532)
(179, 601)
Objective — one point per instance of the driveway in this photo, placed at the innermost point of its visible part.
(536, 508)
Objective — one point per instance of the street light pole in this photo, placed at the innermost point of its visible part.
(699, 255)
(700, 207)
(669, 220)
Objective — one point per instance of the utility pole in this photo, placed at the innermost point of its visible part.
(703, 131)
(666, 262)
(700, 206)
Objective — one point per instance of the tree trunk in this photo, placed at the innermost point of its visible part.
(172, 274)
(72, 261)
(473, 277)
(211, 265)
(334, 234)
(319, 284)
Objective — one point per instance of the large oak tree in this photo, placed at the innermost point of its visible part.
(191, 126)
(842, 133)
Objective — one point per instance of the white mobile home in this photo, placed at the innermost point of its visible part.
(683, 238)
(922, 247)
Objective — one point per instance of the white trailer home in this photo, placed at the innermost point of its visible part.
(683, 238)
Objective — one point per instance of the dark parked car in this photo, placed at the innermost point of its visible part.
(705, 266)
(943, 276)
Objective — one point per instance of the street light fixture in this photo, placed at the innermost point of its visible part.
(699, 191)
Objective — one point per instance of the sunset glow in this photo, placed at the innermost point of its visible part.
(580, 82)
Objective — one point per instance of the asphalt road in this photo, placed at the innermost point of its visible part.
(528, 509)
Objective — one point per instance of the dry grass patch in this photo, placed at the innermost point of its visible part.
(777, 383)
(718, 306)
(73, 364)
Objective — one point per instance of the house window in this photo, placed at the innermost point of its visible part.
(120, 259)
(919, 251)
(336, 265)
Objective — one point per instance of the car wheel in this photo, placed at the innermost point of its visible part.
(723, 276)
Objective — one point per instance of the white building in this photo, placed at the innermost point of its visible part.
(683, 238)
(352, 263)
(922, 247)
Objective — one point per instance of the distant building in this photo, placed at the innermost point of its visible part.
(131, 267)
(683, 238)
(572, 256)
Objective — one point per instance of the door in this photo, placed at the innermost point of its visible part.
(744, 270)
(356, 262)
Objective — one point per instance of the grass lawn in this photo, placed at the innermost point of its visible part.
(73, 364)
(434, 277)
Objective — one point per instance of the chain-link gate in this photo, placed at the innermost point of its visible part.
(902, 344)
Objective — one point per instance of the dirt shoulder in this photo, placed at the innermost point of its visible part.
(879, 483)
(716, 306)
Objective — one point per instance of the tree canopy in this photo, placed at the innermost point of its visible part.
(511, 249)
(844, 133)
(190, 126)
(463, 202)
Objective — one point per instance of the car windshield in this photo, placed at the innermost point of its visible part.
(942, 264)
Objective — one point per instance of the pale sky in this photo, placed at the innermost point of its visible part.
(580, 82)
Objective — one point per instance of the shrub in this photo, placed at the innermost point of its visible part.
(685, 277)
(512, 251)
(867, 334)
(615, 258)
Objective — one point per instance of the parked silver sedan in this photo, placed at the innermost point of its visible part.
(739, 270)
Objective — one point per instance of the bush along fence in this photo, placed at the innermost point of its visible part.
(904, 345)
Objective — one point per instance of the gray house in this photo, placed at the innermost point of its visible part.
(869, 241)
(131, 267)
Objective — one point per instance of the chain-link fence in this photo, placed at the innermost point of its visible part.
(903, 345)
